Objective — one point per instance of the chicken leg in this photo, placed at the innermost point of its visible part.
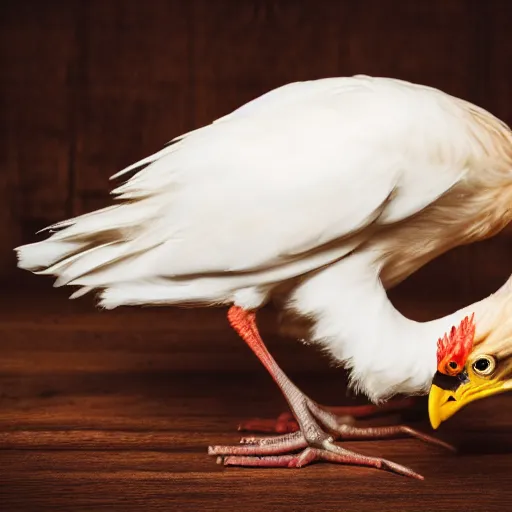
(311, 440)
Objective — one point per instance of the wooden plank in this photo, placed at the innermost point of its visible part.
(38, 41)
(9, 211)
(134, 96)
(163, 485)
(243, 49)
(134, 440)
(424, 42)
(498, 97)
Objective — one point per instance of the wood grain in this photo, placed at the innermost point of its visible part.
(500, 47)
(38, 43)
(106, 411)
(424, 42)
(134, 90)
(244, 49)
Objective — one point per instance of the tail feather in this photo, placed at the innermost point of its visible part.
(80, 292)
(112, 264)
(162, 174)
(85, 262)
(74, 220)
(92, 241)
(38, 256)
(147, 160)
(115, 244)
(124, 217)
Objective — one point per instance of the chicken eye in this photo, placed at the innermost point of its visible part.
(484, 365)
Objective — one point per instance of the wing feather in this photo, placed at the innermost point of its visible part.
(305, 166)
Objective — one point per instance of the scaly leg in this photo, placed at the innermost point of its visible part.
(315, 442)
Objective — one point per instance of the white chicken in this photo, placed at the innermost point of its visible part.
(326, 193)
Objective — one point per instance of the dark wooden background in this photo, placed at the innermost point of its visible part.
(113, 411)
(89, 86)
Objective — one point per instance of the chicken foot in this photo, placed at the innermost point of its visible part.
(316, 443)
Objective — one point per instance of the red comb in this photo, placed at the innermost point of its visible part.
(454, 348)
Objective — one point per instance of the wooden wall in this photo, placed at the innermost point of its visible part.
(89, 86)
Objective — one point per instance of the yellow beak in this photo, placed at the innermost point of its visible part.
(450, 394)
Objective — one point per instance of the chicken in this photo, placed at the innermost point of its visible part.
(319, 195)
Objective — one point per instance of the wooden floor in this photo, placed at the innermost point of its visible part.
(115, 410)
